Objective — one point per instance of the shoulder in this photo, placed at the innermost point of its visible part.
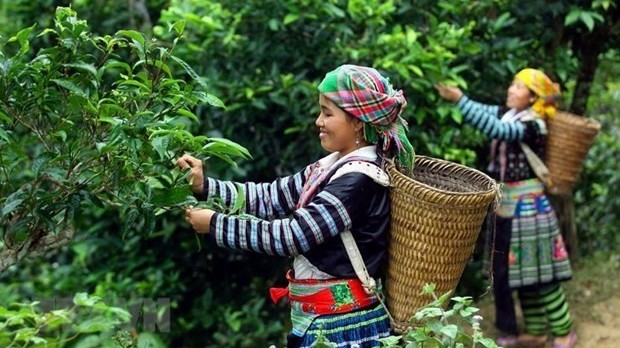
(534, 122)
(364, 171)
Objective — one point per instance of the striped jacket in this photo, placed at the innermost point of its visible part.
(487, 118)
(352, 201)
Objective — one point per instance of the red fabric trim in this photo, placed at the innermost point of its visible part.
(323, 302)
(277, 293)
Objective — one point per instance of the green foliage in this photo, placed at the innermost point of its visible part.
(434, 326)
(82, 126)
(264, 60)
(90, 127)
(596, 201)
(270, 89)
(108, 16)
(88, 323)
(590, 16)
(586, 17)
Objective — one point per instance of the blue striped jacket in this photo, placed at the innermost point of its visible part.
(350, 202)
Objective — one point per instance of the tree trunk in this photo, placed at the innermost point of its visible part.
(565, 209)
(587, 70)
(588, 49)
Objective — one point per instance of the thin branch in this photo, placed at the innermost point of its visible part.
(53, 344)
(34, 130)
(109, 202)
(6, 173)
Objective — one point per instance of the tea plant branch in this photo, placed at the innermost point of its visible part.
(65, 340)
(4, 170)
(14, 114)
(89, 128)
(35, 247)
(444, 318)
(110, 202)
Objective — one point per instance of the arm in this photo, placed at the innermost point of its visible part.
(331, 211)
(263, 200)
(486, 119)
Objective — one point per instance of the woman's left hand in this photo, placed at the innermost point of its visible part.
(449, 93)
(200, 219)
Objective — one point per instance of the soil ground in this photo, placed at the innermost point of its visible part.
(594, 301)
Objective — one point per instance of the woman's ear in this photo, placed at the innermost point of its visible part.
(358, 124)
(533, 96)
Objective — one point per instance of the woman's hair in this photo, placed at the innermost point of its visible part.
(390, 153)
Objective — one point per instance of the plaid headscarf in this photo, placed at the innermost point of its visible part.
(546, 91)
(368, 96)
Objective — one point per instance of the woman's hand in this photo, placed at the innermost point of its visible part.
(196, 176)
(450, 93)
(200, 219)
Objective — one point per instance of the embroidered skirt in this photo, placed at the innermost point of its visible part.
(363, 327)
(537, 253)
(338, 310)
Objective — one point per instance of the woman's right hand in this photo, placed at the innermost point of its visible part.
(196, 171)
(450, 93)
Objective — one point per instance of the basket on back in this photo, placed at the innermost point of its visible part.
(436, 216)
(569, 139)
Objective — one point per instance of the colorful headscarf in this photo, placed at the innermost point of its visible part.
(546, 91)
(368, 96)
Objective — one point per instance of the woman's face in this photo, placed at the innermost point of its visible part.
(337, 130)
(519, 96)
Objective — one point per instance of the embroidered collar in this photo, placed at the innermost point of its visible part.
(368, 152)
(512, 115)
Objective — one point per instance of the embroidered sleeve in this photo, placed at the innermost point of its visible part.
(486, 119)
(263, 200)
(331, 211)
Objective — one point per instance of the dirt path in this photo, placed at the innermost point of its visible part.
(594, 300)
(602, 331)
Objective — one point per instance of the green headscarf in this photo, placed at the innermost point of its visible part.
(368, 96)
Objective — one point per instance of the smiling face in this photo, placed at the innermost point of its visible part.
(337, 130)
(519, 96)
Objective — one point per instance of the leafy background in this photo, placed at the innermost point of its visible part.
(263, 60)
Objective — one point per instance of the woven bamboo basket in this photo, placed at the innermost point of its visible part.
(570, 137)
(436, 216)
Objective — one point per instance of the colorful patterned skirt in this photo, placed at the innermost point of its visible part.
(363, 327)
(537, 252)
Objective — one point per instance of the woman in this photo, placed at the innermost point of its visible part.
(303, 215)
(529, 253)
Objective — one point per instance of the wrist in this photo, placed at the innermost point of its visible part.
(198, 189)
(458, 96)
(462, 100)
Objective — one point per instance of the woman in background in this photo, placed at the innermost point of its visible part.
(529, 253)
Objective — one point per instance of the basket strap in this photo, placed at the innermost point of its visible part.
(370, 285)
(538, 166)
(379, 176)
